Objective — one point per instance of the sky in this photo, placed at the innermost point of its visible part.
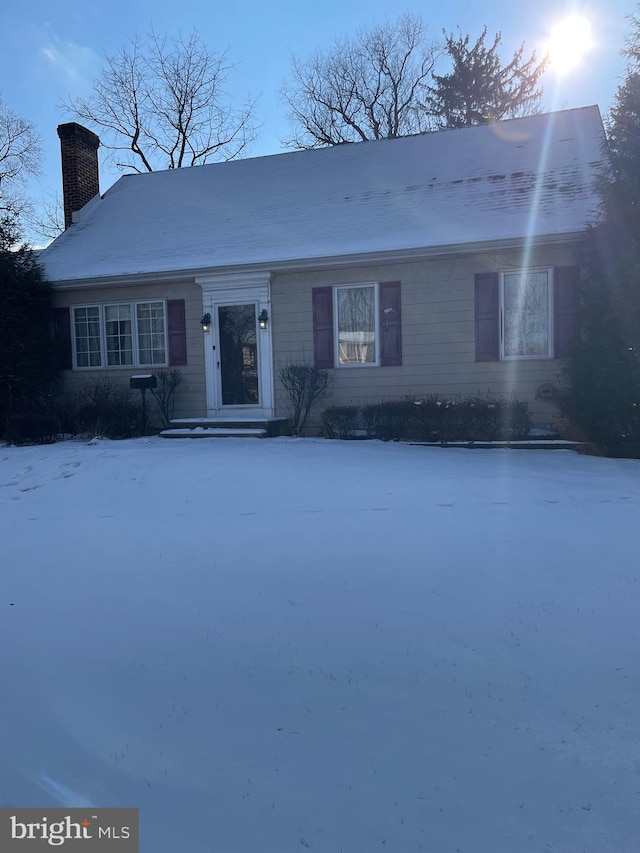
(49, 52)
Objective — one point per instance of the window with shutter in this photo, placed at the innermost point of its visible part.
(526, 314)
(357, 325)
(128, 334)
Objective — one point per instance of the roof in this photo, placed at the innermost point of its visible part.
(531, 176)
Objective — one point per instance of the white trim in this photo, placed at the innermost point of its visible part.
(238, 289)
(135, 335)
(74, 350)
(550, 354)
(237, 281)
(359, 365)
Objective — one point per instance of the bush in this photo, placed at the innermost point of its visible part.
(305, 385)
(106, 408)
(36, 428)
(340, 421)
(390, 420)
(602, 393)
(433, 418)
(471, 419)
(165, 393)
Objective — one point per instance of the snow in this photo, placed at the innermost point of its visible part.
(521, 179)
(208, 432)
(301, 644)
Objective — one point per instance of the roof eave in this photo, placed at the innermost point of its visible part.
(319, 263)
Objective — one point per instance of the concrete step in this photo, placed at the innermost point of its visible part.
(269, 426)
(213, 432)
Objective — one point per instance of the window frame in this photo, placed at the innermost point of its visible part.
(336, 331)
(550, 354)
(133, 304)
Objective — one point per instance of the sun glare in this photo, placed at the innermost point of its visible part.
(570, 40)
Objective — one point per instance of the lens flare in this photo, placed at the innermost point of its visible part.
(570, 40)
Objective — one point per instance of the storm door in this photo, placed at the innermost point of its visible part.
(237, 365)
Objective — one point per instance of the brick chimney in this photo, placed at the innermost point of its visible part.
(80, 182)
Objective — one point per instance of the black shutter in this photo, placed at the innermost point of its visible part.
(62, 338)
(487, 317)
(177, 332)
(565, 299)
(322, 301)
(390, 324)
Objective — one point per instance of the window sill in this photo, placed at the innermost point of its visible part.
(356, 366)
(528, 358)
(124, 368)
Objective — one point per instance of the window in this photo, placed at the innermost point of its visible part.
(87, 336)
(356, 332)
(118, 335)
(150, 316)
(126, 334)
(526, 301)
(357, 325)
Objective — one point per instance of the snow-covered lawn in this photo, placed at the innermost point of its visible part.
(280, 645)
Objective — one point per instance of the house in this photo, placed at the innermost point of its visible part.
(438, 263)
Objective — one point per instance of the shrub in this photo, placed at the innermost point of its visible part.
(390, 420)
(37, 428)
(106, 408)
(515, 420)
(435, 418)
(305, 385)
(165, 393)
(471, 419)
(340, 421)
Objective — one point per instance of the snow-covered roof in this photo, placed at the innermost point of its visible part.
(531, 176)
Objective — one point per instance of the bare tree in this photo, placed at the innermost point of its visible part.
(162, 102)
(479, 88)
(19, 157)
(48, 220)
(365, 87)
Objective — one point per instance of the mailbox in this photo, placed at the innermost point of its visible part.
(144, 381)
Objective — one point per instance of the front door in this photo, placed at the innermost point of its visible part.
(239, 359)
(237, 368)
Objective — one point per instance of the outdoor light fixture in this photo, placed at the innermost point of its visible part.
(262, 319)
(206, 322)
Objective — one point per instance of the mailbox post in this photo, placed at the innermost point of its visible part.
(142, 382)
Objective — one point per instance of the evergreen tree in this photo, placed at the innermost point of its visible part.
(603, 374)
(26, 370)
(479, 89)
